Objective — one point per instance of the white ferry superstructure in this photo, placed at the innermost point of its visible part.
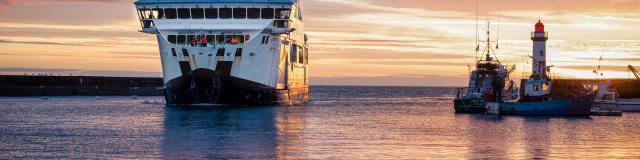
(241, 52)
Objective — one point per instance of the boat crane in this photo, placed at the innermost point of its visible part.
(634, 71)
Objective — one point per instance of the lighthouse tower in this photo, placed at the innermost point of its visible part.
(538, 86)
(539, 65)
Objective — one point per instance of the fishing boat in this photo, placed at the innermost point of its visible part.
(606, 103)
(488, 81)
(239, 52)
(536, 94)
(609, 95)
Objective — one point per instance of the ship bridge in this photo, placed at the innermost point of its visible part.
(238, 15)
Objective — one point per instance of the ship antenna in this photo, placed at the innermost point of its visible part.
(597, 71)
(498, 34)
(477, 41)
(495, 54)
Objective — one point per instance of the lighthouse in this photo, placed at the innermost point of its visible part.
(539, 58)
(538, 86)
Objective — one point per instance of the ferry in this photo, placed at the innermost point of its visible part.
(237, 52)
(536, 92)
(488, 82)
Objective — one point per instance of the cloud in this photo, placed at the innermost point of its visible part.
(50, 43)
(518, 5)
(13, 2)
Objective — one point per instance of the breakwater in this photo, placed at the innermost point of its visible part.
(12, 85)
(626, 88)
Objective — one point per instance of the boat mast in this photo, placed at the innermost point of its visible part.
(477, 35)
(597, 71)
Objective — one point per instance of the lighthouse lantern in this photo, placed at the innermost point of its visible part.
(539, 27)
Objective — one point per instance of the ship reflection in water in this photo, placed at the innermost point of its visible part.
(340, 123)
(219, 133)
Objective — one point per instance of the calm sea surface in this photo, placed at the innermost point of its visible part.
(340, 123)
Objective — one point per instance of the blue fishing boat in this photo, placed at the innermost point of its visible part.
(577, 106)
(536, 92)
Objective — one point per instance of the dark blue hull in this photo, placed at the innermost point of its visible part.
(579, 106)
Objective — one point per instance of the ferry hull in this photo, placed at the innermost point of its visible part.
(580, 106)
(203, 86)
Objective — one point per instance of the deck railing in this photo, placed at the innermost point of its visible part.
(464, 92)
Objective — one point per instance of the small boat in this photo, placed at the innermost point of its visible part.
(535, 97)
(606, 103)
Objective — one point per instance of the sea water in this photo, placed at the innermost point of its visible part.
(339, 123)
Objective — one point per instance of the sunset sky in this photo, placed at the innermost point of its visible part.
(353, 42)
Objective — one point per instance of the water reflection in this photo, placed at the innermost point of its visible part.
(370, 125)
(351, 123)
(220, 133)
(536, 137)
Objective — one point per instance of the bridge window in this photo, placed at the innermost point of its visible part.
(181, 39)
(220, 39)
(145, 13)
(183, 13)
(140, 14)
(267, 13)
(225, 13)
(253, 13)
(239, 13)
(197, 40)
(197, 13)
(192, 40)
(306, 55)
(172, 39)
(283, 13)
(294, 52)
(281, 23)
(211, 13)
(234, 39)
(170, 13)
(300, 55)
(159, 13)
(210, 39)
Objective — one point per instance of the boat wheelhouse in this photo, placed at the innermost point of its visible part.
(244, 52)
